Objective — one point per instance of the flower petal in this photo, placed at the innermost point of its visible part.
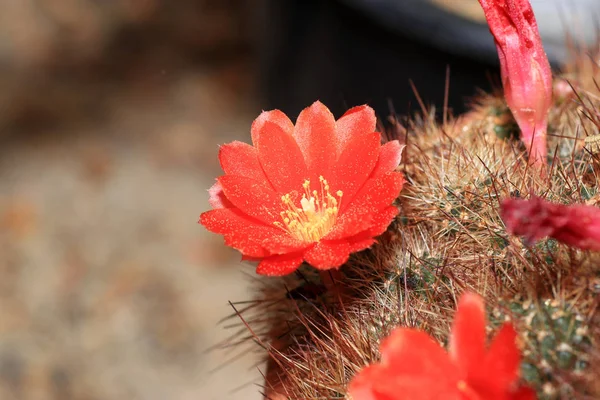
(217, 198)
(265, 242)
(239, 158)
(363, 385)
(503, 359)
(326, 255)
(390, 156)
(276, 117)
(281, 159)
(376, 194)
(467, 340)
(374, 227)
(246, 246)
(279, 265)
(316, 136)
(241, 231)
(350, 224)
(413, 352)
(356, 121)
(252, 198)
(224, 220)
(523, 393)
(358, 243)
(382, 220)
(355, 163)
(282, 242)
(377, 382)
(233, 221)
(373, 197)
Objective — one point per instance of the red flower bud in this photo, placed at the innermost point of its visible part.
(576, 225)
(526, 74)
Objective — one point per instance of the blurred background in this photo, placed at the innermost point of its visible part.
(111, 113)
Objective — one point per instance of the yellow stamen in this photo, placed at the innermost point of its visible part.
(315, 217)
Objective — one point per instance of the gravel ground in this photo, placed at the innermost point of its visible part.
(109, 288)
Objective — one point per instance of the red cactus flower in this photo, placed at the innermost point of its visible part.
(525, 70)
(313, 192)
(413, 366)
(577, 225)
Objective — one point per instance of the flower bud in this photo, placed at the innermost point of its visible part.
(526, 74)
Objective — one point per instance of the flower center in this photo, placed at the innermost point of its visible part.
(316, 216)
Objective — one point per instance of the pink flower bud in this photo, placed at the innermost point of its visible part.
(526, 74)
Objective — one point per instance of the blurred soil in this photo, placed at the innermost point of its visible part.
(110, 118)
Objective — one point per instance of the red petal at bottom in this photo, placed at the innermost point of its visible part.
(382, 220)
(279, 265)
(360, 244)
(326, 255)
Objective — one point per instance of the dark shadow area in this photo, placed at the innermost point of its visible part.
(326, 50)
